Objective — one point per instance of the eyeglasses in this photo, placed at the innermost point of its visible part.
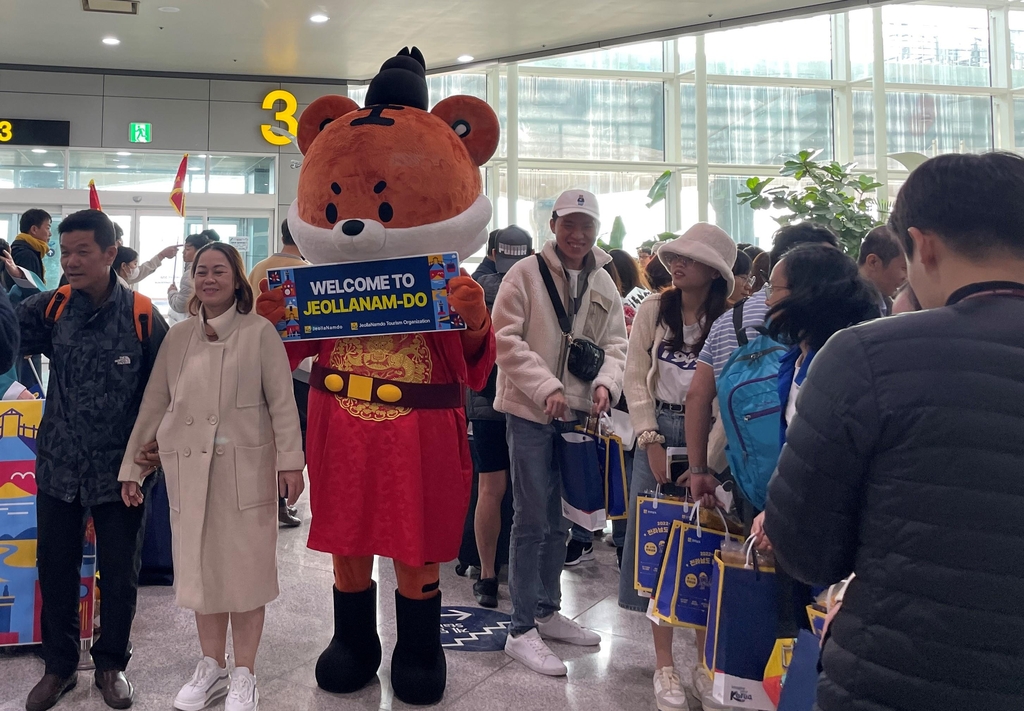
(684, 262)
(770, 289)
(750, 281)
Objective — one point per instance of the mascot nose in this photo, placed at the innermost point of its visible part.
(352, 227)
(360, 237)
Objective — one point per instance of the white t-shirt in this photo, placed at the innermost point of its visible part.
(794, 390)
(574, 281)
(676, 369)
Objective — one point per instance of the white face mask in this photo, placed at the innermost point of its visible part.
(133, 274)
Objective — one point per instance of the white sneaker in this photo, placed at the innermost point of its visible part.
(208, 684)
(560, 628)
(530, 649)
(243, 695)
(668, 690)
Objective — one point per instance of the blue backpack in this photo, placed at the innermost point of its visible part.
(748, 397)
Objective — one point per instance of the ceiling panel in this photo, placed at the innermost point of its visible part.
(276, 37)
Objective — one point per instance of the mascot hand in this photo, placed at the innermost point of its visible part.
(467, 300)
(270, 303)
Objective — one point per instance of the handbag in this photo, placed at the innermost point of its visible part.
(585, 357)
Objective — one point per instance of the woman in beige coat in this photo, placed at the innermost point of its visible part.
(221, 408)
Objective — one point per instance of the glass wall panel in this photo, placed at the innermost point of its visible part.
(26, 167)
(138, 172)
(938, 123)
(622, 194)
(688, 117)
(741, 222)
(794, 48)
(758, 124)
(862, 41)
(1016, 22)
(595, 119)
(687, 53)
(249, 235)
(933, 44)
(241, 175)
(864, 129)
(632, 58)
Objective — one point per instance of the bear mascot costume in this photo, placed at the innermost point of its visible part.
(391, 476)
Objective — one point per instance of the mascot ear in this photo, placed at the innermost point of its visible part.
(473, 121)
(320, 113)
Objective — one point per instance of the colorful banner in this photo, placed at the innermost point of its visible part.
(387, 296)
(19, 580)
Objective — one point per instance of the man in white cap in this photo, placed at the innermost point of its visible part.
(543, 396)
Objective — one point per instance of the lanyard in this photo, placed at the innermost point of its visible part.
(987, 288)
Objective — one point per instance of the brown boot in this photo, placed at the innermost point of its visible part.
(118, 692)
(49, 691)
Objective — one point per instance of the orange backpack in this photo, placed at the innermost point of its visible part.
(142, 307)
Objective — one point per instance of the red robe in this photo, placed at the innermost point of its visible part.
(385, 480)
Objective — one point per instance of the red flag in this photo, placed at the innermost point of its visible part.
(178, 191)
(94, 197)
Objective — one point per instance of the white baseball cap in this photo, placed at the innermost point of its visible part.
(572, 201)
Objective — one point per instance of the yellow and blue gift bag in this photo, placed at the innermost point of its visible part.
(742, 619)
(684, 580)
(616, 488)
(654, 516)
(582, 483)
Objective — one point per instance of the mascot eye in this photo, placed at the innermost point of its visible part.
(332, 213)
(335, 188)
(385, 212)
(461, 128)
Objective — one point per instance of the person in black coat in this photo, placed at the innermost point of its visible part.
(904, 463)
(10, 335)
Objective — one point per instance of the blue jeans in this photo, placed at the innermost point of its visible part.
(671, 426)
(537, 548)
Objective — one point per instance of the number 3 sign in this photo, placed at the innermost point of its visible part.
(285, 116)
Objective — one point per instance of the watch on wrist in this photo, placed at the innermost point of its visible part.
(700, 470)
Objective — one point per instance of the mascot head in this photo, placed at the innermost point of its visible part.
(392, 179)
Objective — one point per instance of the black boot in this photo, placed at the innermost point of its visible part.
(418, 669)
(353, 656)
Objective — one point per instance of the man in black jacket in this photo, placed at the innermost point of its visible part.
(10, 337)
(28, 251)
(905, 462)
(98, 372)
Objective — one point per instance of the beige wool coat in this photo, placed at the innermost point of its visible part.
(224, 417)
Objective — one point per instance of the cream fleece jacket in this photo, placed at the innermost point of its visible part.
(531, 350)
(641, 377)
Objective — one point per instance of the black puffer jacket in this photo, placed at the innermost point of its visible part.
(905, 465)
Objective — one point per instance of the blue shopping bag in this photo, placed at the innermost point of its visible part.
(582, 483)
(684, 581)
(742, 619)
(654, 517)
(616, 488)
(800, 687)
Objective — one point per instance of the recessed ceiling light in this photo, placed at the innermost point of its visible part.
(49, 165)
(39, 150)
(169, 8)
(465, 58)
(111, 41)
(123, 166)
(319, 17)
(124, 153)
(201, 155)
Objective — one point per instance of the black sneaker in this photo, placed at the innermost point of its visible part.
(618, 557)
(577, 553)
(485, 591)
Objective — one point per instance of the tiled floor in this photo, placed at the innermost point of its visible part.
(613, 677)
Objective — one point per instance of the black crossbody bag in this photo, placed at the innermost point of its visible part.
(585, 357)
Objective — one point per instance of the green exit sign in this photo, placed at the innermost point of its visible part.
(140, 132)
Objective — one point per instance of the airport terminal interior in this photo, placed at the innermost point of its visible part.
(181, 117)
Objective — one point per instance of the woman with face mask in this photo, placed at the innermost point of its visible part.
(126, 264)
(179, 296)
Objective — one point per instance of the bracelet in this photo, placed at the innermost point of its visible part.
(700, 470)
(648, 438)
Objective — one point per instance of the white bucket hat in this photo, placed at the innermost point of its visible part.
(706, 244)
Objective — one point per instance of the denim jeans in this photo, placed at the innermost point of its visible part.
(671, 426)
(537, 548)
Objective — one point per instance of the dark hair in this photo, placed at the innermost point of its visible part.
(91, 221)
(286, 234)
(880, 243)
(243, 292)
(628, 268)
(788, 237)
(742, 265)
(201, 239)
(614, 274)
(972, 202)
(761, 269)
(33, 218)
(118, 232)
(826, 294)
(752, 251)
(670, 313)
(492, 242)
(125, 255)
(657, 275)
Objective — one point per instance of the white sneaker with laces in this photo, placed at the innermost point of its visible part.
(530, 650)
(668, 690)
(208, 684)
(243, 695)
(560, 628)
